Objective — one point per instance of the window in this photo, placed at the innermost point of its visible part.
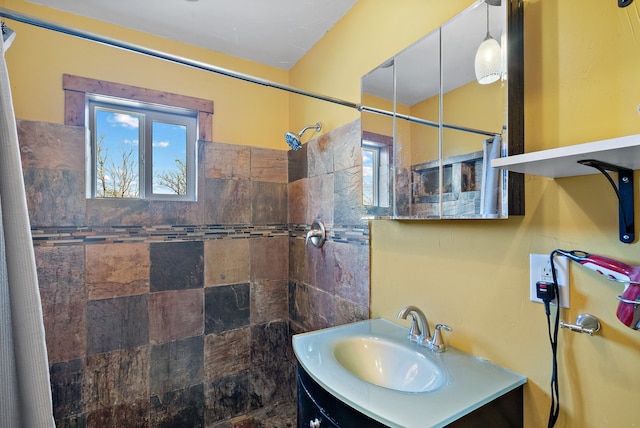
(141, 150)
(375, 173)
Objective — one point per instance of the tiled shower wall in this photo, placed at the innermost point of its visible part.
(330, 285)
(176, 314)
(163, 314)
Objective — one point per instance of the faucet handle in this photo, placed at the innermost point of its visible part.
(437, 342)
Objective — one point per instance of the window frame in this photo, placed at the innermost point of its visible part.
(78, 88)
(148, 113)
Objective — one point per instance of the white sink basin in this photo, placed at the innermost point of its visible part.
(388, 364)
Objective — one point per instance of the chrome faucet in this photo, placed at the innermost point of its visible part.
(419, 331)
(419, 324)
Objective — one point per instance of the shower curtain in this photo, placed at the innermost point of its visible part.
(25, 394)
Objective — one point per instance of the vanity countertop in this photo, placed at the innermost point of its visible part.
(472, 382)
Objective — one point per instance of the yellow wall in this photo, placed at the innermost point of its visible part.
(245, 113)
(581, 85)
(582, 59)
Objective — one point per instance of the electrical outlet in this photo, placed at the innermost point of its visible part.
(540, 270)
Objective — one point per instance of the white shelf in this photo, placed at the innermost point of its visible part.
(563, 161)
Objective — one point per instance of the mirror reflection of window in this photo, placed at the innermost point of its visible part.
(375, 174)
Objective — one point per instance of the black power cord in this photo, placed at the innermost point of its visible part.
(548, 292)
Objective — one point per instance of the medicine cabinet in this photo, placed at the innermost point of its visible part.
(430, 129)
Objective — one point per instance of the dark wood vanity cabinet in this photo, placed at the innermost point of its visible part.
(319, 409)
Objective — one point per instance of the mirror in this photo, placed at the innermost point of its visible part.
(430, 129)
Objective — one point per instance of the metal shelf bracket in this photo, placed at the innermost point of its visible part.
(624, 192)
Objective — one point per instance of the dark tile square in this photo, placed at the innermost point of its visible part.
(119, 323)
(66, 388)
(177, 265)
(271, 384)
(226, 307)
(227, 397)
(180, 408)
(270, 344)
(176, 365)
(79, 421)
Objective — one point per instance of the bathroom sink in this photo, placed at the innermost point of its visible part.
(388, 364)
(372, 367)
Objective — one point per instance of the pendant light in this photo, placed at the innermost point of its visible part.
(488, 63)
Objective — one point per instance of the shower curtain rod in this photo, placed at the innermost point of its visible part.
(109, 41)
(428, 122)
(50, 25)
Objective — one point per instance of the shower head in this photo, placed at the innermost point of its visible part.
(293, 140)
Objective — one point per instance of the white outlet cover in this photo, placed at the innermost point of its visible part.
(539, 263)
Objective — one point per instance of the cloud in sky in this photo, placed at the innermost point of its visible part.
(124, 120)
(160, 144)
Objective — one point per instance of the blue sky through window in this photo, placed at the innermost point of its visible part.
(119, 133)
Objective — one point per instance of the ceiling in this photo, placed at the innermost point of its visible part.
(272, 32)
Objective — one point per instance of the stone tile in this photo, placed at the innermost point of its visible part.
(134, 414)
(348, 197)
(347, 146)
(269, 165)
(115, 270)
(180, 408)
(227, 397)
(226, 307)
(55, 197)
(269, 301)
(351, 274)
(174, 212)
(297, 160)
(270, 344)
(272, 384)
(177, 265)
(227, 201)
(226, 261)
(116, 377)
(320, 199)
(226, 353)
(176, 315)
(269, 258)
(176, 365)
(51, 146)
(63, 296)
(309, 307)
(298, 269)
(278, 415)
(119, 323)
(228, 161)
(116, 212)
(297, 197)
(346, 312)
(321, 267)
(268, 203)
(66, 388)
(403, 197)
(320, 156)
(75, 421)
